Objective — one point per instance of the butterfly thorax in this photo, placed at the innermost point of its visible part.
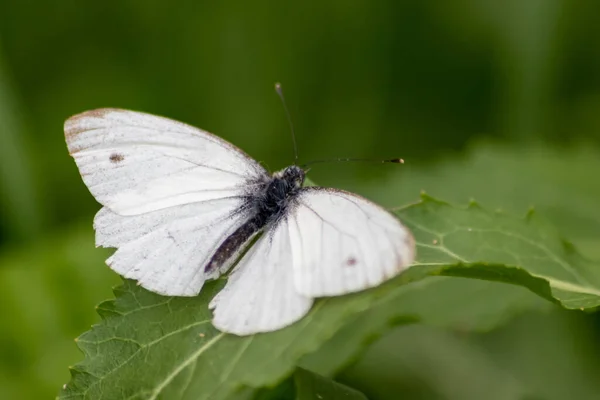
(277, 193)
(264, 207)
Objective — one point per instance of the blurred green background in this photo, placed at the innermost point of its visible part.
(498, 101)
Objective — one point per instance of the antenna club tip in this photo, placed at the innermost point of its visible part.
(277, 86)
(397, 160)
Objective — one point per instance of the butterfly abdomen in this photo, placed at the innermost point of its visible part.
(233, 244)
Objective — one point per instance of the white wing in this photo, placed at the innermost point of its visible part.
(166, 250)
(135, 163)
(260, 294)
(343, 243)
(172, 193)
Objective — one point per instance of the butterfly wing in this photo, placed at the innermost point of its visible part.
(330, 243)
(172, 193)
(259, 295)
(166, 250)
(135, 163)
(343, 243)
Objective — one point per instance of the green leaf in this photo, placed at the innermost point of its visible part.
(474, 243)
(150, 347)
(463, 305)
(310, 386)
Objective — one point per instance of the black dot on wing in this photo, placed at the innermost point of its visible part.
(116, 158)
(351, 261)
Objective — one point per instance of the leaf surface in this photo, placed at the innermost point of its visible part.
(458, 304)
(150, 347)
(475, 243)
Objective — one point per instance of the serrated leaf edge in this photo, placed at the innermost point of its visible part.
(106, 309)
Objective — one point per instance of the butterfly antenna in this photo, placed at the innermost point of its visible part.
(289, 118)
(391, 160)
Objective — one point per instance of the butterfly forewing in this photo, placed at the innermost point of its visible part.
(343, 243)
(135, 163)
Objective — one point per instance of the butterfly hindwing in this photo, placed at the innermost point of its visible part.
(167, 250)
(260, 294)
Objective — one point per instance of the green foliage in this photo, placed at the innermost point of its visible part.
(462, 305)
(54, 286)
(420, 80)
(475, 243)
(47, 291)
(149, 346)
(550, 356)
(18, 204)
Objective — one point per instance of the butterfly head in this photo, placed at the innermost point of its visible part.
(293, 175)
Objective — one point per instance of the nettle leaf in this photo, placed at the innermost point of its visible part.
(149, 346)
(475, 243)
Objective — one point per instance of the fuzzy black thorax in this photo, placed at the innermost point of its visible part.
(272, 201)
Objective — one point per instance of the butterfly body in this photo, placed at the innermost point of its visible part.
(264, 208)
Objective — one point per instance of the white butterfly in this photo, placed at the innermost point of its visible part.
(181, 205)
